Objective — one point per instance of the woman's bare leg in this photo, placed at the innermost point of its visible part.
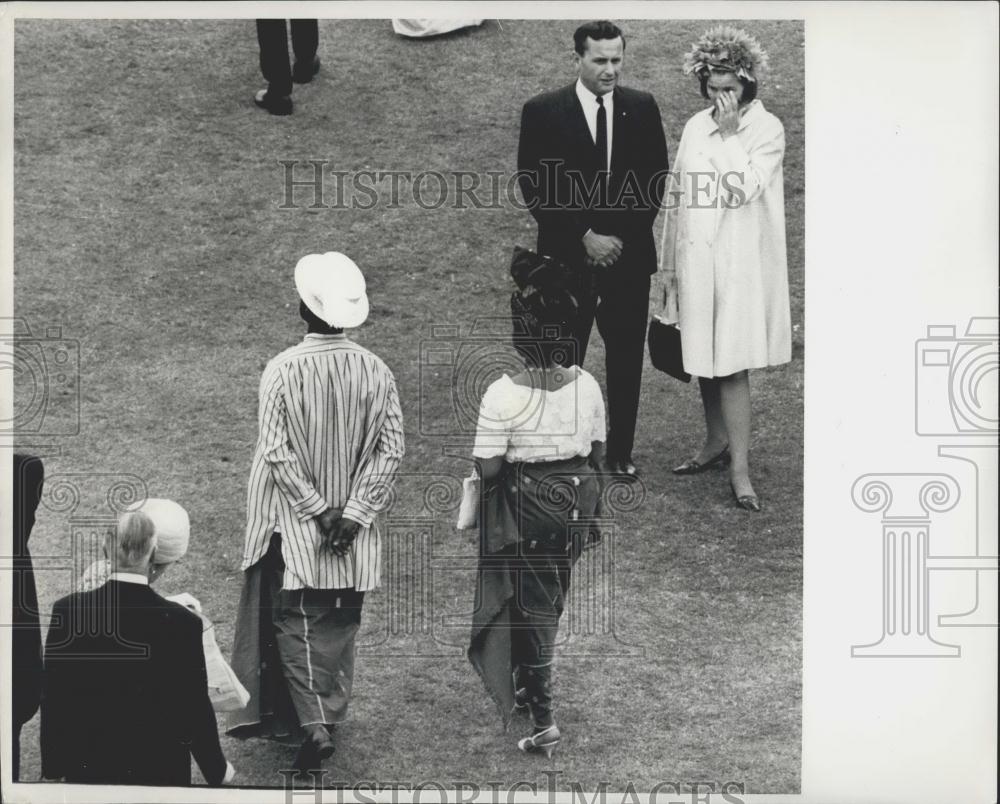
(716, 437)
(734, 397)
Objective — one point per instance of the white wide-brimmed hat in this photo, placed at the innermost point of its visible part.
(333, 288)
(171, 525)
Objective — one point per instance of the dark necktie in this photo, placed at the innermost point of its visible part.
(602, 133)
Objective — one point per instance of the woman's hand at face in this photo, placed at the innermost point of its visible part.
(727, 114)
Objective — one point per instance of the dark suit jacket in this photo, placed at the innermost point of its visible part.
(26, 636)
(557, 163)
(125, 696)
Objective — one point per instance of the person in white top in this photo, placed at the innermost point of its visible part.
(540, 454)
(724, 246)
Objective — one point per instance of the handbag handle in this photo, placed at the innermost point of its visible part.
(670, 312)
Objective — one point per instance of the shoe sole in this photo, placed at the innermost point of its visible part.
(275, 112)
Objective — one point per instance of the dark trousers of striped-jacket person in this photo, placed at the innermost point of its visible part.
(294, 652)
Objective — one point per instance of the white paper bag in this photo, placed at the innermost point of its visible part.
(468, 511)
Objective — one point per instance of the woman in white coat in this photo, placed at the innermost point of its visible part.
(724, 246)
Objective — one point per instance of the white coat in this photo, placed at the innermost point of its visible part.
(724, 241)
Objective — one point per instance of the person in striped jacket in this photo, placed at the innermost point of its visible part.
(330, 443)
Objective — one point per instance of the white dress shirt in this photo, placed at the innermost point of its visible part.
(129, 577)
(588, 100)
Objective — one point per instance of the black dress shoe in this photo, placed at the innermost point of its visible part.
(306, 759)
(275, 104)
(692, 467)
(303, 73)
(317, 746)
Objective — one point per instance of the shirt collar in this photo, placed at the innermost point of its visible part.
(319, 336)
(129, 577)
(588, 97)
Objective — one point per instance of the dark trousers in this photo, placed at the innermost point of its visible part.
(540, 581)
(272, 36)
(314, 631)
(620, 305)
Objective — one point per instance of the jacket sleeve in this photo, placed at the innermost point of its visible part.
(201, 725)
(57, 697)
(379, 465)
(657, 178)
(536, 169)
(278, 454)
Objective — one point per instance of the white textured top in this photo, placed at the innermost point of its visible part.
(528, 424)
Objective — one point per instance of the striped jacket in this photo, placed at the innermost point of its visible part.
(330, 435)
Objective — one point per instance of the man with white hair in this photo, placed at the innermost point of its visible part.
(125, 696)
(330, 443)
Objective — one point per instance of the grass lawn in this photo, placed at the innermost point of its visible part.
(147, 227)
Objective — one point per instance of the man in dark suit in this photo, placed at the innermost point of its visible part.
(592, 165)
(125, 695)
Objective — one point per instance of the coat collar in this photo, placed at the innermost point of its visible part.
(753, 111)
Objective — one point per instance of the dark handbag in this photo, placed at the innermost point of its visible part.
(665, 349)
(665, 344)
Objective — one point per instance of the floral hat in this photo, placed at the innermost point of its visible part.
(728, 49)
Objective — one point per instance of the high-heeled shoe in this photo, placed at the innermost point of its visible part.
(748, 502)
(692, 466)
(542, 741)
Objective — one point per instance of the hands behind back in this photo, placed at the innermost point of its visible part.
(338, 533)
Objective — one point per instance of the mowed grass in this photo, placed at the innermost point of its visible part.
(147, 227)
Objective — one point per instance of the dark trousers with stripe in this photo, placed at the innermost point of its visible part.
(272, 36)
(293, 650)
(314, 630)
